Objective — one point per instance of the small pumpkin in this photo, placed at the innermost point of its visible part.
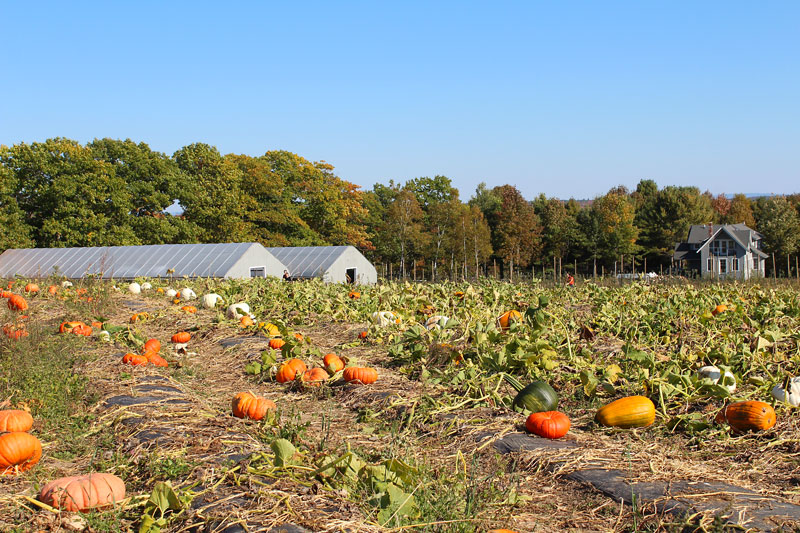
(628, 412)
(210, 300)
(97, 324)
(83, 493)
(298, 337)
(362, 335)
(188, 294)
(333, 363)
(83, 330)
(134, 359)
(182, 337)
(535, 397)
(505, 320)
(52, 289)
(5, 294)
(721, 308)
(17, 303)
(15, 332)
(726, 379)
(269, 329)
(31, 288)
(19, 451)
(364, 375)
(354, 295)
(135, 288)
(548, 424)
(314, 376)
(750, 415)
(235, 311)
(189, 309)
(384, 318)
(248, 405)
(246, 322)
(15, 420)
(276, 344)
(67, 327)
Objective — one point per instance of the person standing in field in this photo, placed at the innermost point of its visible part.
(570, 280)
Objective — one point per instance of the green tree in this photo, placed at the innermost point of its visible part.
(69, 198)
(614, 217)
(213, 199)
(15, 232)
(153, 182)
(779, 223)
(741, 211)
(559, 227)
(439, 202)
(403, 226)
(517, 233)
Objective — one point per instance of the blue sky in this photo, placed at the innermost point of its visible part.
(564, 98)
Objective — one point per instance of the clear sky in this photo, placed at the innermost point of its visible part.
(564, 98)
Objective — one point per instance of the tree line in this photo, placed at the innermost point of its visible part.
(60, 193)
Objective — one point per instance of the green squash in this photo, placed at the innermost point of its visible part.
(534, 398)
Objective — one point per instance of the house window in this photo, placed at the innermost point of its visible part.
(735, 266)
(257, 272)
(755, 262)
(723, 266)
(708, 267)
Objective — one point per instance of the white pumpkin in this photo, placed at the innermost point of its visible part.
(104, 336)
(237, 311)
(713, 373)
(146, 286)
(788, 392)
(436, 322)
(188, 294)
(134, 288)
(383, 318)
(171, 293)
(211, 300)
(66, 284)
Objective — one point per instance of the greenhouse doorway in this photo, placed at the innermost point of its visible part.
(350, 275)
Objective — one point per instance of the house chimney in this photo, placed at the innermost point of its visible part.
(710, 229)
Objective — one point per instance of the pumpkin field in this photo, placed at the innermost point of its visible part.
(260, 405)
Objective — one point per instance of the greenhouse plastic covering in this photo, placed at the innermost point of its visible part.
(308, 261)
(127, 262)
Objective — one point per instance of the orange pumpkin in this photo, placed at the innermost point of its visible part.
(82, 493)
(19, 451)
(363, 375)
(181, 337)
(97, 324)
(5, 294)
(15, 420)
(289, 370)
(156, 360)
(134, 359)
(189, 309)
(750, 416)
(721, 308)
(354, 295)
(509, 317)
(333, 363)
(298, 337)
(246, 322)
(15, 332)
(67, 327)
(276, 344)
(52, 289)
(152, 345)
(548, 424)
(362, 335)
(82, 329)
(31, 288)
(17, 303)
(314, 377)
(248, 405)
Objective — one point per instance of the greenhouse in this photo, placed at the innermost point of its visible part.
(228, 260)
(335, 264)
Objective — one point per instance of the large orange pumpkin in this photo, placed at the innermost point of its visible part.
(750, 416)
(548, 424)
(17, 303)
(82, 329)
(358, 374)
(32, 287)
(314, 377)
(15, 420)
(82, 493)
(156, 360)
(181, 337)
(248, 405)
(19, 451)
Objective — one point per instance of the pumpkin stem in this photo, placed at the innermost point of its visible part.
(514, 382)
